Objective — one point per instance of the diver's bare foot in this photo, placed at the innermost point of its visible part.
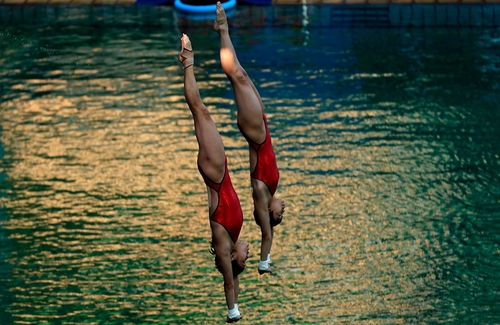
(186, 56)
(233, 320)
(268, 270)
(220, 23)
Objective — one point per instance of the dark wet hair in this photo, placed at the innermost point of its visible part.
(273, 221)
(237, 269)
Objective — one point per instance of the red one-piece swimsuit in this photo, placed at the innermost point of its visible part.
(266, 168)
(228, 212)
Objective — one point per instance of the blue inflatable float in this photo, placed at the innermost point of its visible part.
(201, 8)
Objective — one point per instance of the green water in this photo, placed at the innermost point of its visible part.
(388, 142)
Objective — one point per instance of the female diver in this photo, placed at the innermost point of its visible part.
(226, 216)
(252, 122)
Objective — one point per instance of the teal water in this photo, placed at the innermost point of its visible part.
(388, 141)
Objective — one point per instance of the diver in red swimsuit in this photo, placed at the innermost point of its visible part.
(227, 211)
(226, 217)
(252, 122)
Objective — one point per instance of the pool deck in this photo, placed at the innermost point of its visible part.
(275, 2)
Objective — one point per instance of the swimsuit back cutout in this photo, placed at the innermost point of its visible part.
(266, 168)
(228, 212)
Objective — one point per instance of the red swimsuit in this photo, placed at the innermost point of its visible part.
(228, 212)
(266, 168)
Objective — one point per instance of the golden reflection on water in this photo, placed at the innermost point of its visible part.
(127, 181)
(101, 188)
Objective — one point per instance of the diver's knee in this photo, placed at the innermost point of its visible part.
(240, 77)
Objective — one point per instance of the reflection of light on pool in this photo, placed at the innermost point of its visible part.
(305, 22)
(374, 75)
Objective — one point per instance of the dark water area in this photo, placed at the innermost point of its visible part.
(388, 142)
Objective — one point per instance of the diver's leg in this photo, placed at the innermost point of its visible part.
(211, 156)
(248, 100)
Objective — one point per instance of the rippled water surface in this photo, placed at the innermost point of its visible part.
(388, 141)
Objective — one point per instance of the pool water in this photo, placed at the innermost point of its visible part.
(388, 142)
